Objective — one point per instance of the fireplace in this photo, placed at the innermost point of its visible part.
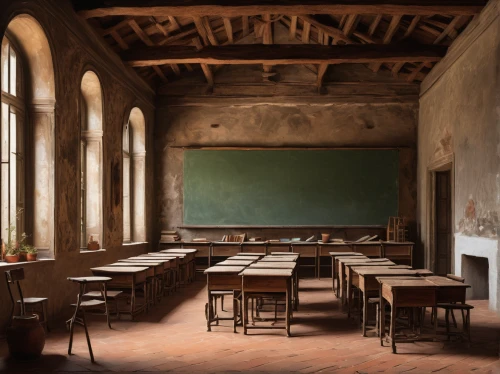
(475, 270)
(477, 260)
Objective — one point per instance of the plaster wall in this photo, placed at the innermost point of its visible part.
(459, 121)
(75, 49)
(335, 125)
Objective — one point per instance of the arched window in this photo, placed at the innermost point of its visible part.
(12, 140)
(27, 133)
(134, 178)
(91, 158)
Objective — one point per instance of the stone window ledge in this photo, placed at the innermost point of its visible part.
(87, 251)
(7, 266)
(134, 243)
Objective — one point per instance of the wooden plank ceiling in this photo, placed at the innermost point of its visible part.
(166, 41)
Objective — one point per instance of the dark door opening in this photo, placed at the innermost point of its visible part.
(443, 229)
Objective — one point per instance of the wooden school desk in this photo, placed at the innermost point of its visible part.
(190, 257)
(404, 293)
(155, 273)
(369, 286)
(324, 250)
(283, 265)
(246, 257)
(203, 254)
(169, 269)
(308, 251)
(279, 259)
(126, 277)
(341, 272)
(352, 278)
(223, 278)
(223, 250)
(182, 274)
(334, 255)
(369, 249)
(399, 252)
(450, 291)
(266, 283)
(258, 254)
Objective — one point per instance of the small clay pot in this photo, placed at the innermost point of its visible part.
(325, 238)
(11, 258)
(25, 337)
(93, 246)
(31, 256)
(23, 257)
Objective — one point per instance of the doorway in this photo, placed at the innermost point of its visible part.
(442, 222)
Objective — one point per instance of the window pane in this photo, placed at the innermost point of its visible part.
(4, 133)
(13, 169)
(83, 204)
(5, 65)
(13, 72)
(126, 199)
(126, 139)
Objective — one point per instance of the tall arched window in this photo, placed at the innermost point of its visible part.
(27, 133)
(134, 178)
(12, 139)
(91, 158)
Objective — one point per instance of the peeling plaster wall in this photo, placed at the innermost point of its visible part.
(337, 125)
(75, 49)
(459, 120)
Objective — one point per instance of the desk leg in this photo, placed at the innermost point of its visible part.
(392, 331)
(209, 312)
(297, 290)
(104, 296)
(287, 311)
(349, 295)
(333, 274)
(87, 335)
(72, 321)
(365, 311)
(132, 301)
(235, 310)
(245, 312)
(381, 318)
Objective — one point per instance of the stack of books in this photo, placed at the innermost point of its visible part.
(169, 236)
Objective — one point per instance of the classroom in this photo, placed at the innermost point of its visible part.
(214, 186)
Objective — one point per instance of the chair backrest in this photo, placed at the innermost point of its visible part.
(13, 277)
(455, 278)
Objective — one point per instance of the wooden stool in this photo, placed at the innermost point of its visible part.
(82, 305)
(36, 305)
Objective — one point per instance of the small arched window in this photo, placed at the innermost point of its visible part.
(134, 178)
(91, 158)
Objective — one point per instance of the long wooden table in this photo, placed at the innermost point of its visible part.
(283, 265)
(126, 277)
(223, 278)
(265, 283)
(235, 263)
(190, 258)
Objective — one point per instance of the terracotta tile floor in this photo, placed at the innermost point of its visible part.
(173, 337)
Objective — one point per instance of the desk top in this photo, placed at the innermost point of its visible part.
(273, 265)
(372, 264)
(353, 254)
(119, 269)
(407, 283)
(382, 270)
(357, 259)
(333, 244)
(244, 254)
(143, 263)
(373, 243)
(89, 279)
(179, 250)
(302, 243)
(279, 259)
(158, 254)
(267, 272)
(224, 270)
(234, 263)
(239, 258)
(145, 259)
(398, 243)
(285, 254)
(226, 243)
(254, 243)
(445, 282)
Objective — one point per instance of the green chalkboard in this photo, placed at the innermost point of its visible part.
(290, 187)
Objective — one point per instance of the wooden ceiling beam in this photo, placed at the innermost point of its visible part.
(283, 54)
(228, 8)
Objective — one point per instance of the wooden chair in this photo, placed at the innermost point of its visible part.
(35, 305)
(463, 308)
(111, 296)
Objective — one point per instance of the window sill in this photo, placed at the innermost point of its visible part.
(5, 265)
(87, 251)
(134, 243)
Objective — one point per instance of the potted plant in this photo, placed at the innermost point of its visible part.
(31, 252)
(11, 254)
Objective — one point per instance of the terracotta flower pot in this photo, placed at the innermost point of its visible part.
(31, 256)
(11, 258)
(23, 257)
(25, 337)
(325, 238)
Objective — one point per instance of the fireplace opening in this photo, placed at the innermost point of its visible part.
(475, 270)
